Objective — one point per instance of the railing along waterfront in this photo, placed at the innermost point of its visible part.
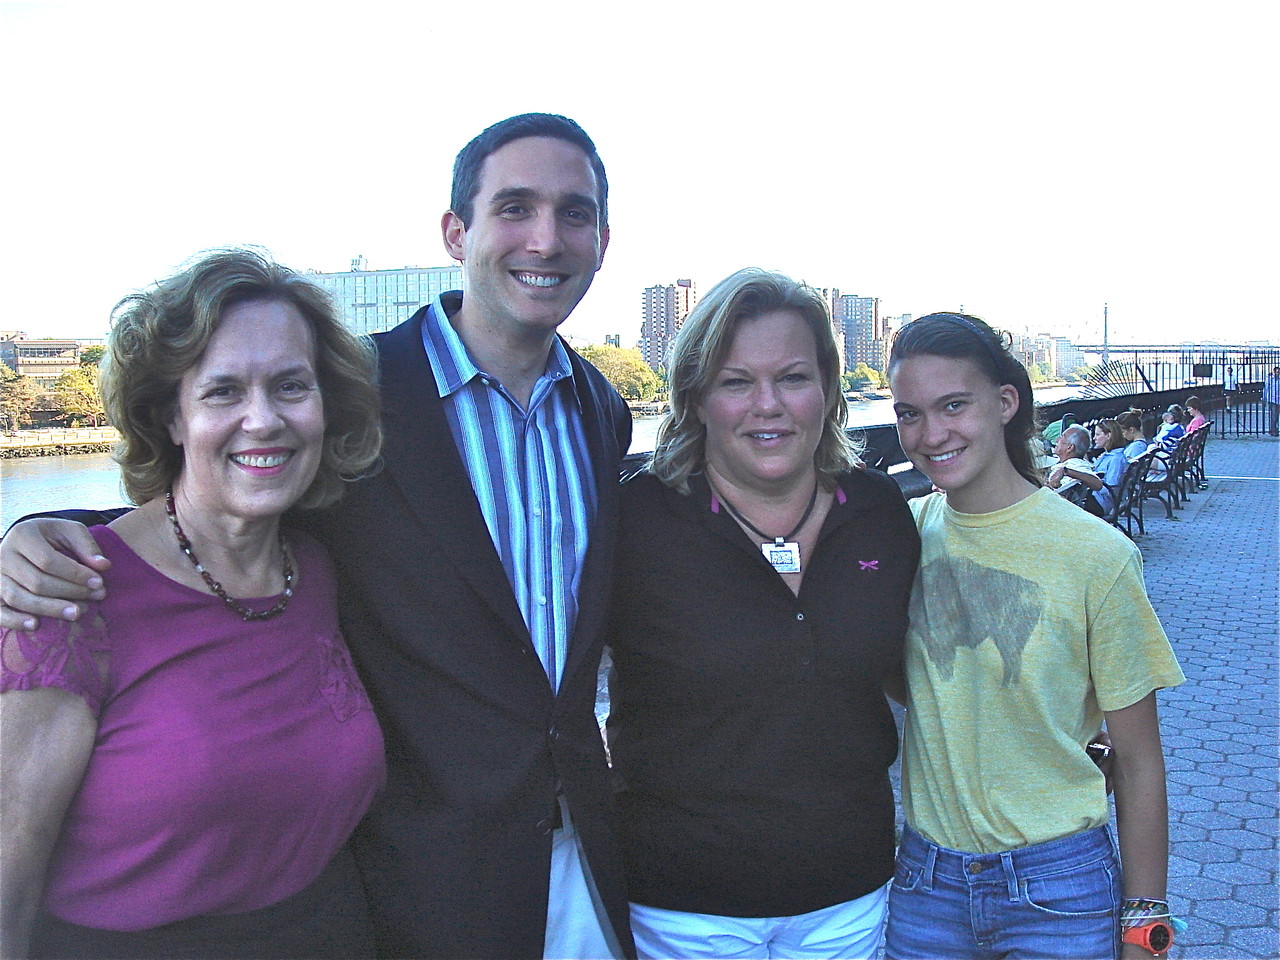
(56, 441)
(881, 450)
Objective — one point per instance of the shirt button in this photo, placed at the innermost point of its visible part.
(545, 827)
(542, 600)
(799, 616)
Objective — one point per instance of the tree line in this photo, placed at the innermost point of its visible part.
(73, 399)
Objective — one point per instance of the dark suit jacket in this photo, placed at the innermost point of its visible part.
(456, 854)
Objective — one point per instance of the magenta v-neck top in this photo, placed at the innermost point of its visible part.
(232, 759)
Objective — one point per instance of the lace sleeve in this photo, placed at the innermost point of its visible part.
(69, 656)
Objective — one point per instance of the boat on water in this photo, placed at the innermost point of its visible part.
(647, 408)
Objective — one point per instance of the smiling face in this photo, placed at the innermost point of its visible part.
(249, 415)
(951, 420)
(535, 240)
(763, 407)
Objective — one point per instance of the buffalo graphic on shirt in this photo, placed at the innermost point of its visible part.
(958, 602)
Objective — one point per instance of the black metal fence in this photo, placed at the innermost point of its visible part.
(1241, 414)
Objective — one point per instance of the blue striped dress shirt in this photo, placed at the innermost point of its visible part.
(531, 472)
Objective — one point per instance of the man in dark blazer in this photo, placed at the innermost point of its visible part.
(493, 837)
(481, 751)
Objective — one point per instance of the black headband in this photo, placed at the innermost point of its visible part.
(973, 328)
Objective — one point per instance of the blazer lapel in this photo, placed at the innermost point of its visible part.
(423, 461)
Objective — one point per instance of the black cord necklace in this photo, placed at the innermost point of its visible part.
(782, 552)
(244, 612)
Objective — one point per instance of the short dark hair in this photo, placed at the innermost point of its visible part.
(161, 333)
(961, 336)
(470, 160)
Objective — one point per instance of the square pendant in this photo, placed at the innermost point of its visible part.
(785, 557)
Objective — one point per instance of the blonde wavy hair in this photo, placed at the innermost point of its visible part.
(700, 349)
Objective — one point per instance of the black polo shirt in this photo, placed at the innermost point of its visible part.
(750, 735)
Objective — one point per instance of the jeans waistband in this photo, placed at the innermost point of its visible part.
(1005, 867)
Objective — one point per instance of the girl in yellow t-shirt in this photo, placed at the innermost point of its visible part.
(1030, 626)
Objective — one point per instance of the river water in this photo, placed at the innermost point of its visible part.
(33, 484)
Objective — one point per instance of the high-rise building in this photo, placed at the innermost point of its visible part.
(1068, 358)
(832, 295)
(1039, 349)
(863, 332)
(371, 301)
(665, 308)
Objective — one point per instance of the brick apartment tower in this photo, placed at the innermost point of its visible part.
(864, 334)
(665, 308)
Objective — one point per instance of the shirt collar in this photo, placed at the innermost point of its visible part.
(452, 364)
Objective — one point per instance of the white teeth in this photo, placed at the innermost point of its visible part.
(945, 456)
(538, 279)
(766, 436)
(274, 460)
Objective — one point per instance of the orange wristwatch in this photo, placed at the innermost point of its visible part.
(1156, 936)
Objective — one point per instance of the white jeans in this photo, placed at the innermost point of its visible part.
(845, 930)
(578, 927)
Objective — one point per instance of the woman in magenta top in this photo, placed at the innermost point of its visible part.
(185, 762)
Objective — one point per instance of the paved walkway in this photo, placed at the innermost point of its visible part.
(1212, 575)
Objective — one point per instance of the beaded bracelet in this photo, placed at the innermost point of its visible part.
(1139, 912)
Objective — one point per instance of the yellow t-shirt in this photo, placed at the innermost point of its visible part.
(1026, 624)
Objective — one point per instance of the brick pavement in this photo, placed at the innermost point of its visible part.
(1212, 575)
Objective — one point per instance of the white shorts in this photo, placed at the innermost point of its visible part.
(845, 930)
(578, 927)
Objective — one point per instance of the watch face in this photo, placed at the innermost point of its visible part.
(1159, 938)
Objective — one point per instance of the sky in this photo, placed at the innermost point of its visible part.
(1025, 161)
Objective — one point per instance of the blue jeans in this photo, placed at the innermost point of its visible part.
(1058, 899)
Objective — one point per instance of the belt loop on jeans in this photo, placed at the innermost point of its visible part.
(931, 858)
(1011, 877)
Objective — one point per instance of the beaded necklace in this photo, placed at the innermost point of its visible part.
(245, 613)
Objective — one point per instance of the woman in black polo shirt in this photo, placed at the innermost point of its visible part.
(760, 607)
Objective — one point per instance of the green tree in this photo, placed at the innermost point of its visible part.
(91, 356)
(18, 397)
(863, 376)
(76, 394)
(625, 369)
